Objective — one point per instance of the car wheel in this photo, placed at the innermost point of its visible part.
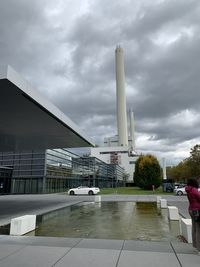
(179, 193)
(90, 192)
(71, 193)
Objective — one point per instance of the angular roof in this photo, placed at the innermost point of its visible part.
(28, 121)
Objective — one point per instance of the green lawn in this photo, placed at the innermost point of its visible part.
(132, 191)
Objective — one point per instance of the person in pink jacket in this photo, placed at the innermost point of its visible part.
(194, 209)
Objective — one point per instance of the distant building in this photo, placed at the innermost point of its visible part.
(121, 156)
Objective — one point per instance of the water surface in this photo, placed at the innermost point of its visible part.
(109, 220)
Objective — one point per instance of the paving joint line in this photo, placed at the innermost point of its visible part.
(66, 253)
(14, 252)
(120, 254)
(175, 254)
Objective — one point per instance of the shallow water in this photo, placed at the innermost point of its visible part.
(109, 220)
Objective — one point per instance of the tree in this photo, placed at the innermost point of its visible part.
(180, 172)
(147, 172)
(194, 160)
(189, 167)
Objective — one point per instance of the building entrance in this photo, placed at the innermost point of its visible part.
(5, 180)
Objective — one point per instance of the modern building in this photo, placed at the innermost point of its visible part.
(31, 126)
(54, 170)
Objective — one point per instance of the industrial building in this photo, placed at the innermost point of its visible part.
(120, 149)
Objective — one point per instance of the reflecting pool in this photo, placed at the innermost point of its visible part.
(109, 220)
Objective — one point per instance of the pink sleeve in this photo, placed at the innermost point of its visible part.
(196, 194)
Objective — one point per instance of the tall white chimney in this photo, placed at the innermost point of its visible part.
(121, 98)
(132, 129)
(164, 169)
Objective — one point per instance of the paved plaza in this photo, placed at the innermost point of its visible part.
(74, 252)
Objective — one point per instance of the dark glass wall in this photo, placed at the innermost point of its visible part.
(28, 170)
(5, 180)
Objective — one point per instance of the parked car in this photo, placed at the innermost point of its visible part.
(181, 191)
(169, 188)
(84, 190)
(179, 185)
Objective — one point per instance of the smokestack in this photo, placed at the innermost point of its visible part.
(132, 129)
(164, 169)
(121, 98)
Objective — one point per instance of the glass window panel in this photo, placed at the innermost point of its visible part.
(16, 167)
(25, 167)
(26, 156)
(15, 173)
(38, 161)
(39, 172)
(16, 162)
(39, 155)
(9, 157)
(7, 162)
(28, 186)
(36, 167)
(24, 173)
(27, 161)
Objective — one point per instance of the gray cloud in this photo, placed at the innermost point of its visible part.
(65, 49)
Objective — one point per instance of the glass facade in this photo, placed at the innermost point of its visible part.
(28, 170)
(5, 180)
(57, 170)
(95, 172)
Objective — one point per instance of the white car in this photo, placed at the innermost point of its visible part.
(84, 190)
(181, 191)
(179, 186)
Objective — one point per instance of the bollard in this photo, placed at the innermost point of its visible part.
(22, 225)
(158, 198)
(163, 203)
(173, 213)
(186, 228)
(97, 199)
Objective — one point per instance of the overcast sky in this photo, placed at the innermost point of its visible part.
(65, 49)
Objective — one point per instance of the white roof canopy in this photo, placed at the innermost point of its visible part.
(28, 121)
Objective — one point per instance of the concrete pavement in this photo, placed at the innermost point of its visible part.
(71, 252)
(47, 251)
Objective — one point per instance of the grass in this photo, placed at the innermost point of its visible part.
(132, 191)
